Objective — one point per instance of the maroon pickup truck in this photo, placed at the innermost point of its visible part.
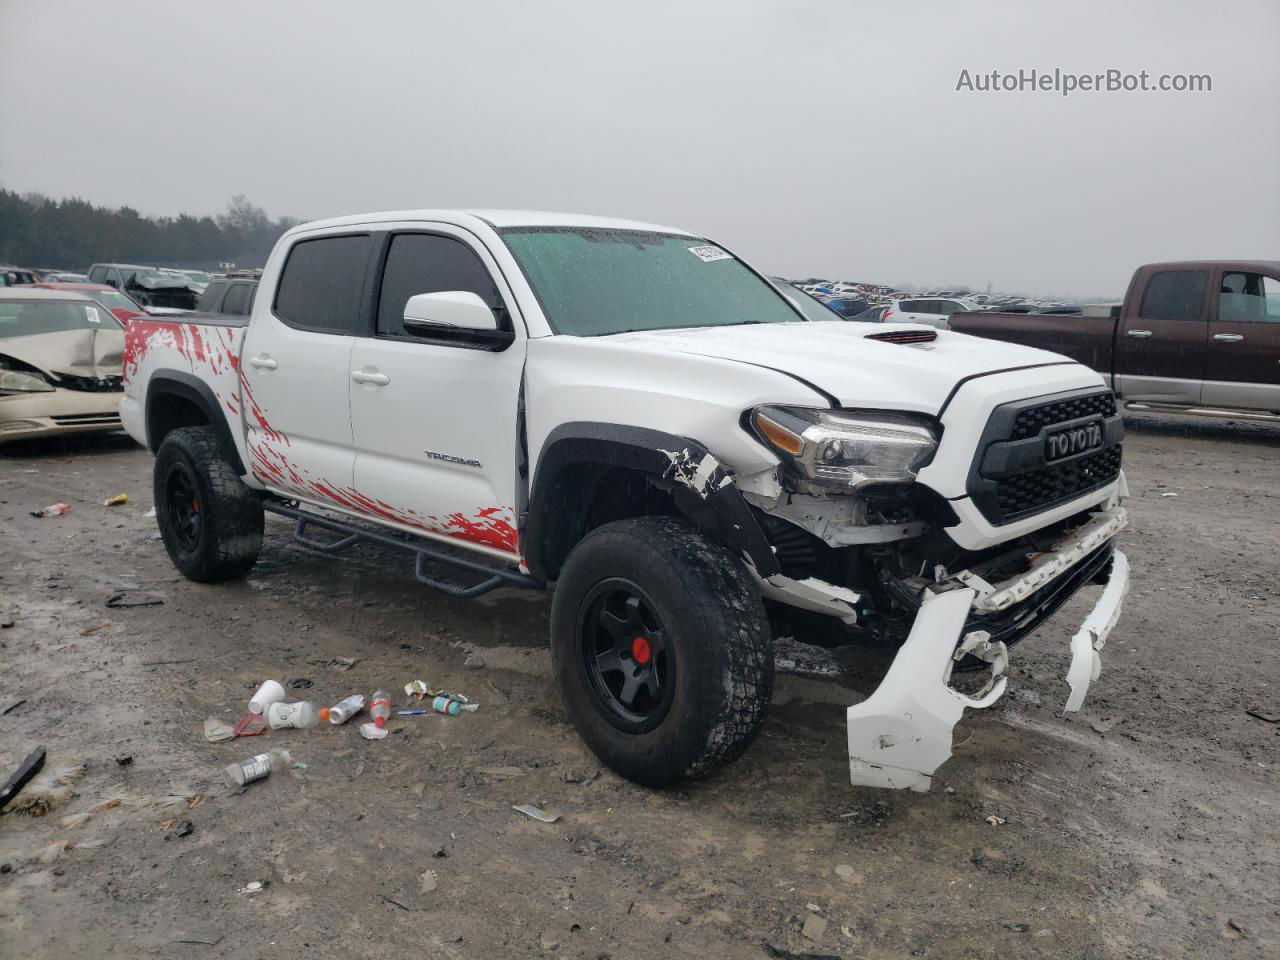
(1195, 337)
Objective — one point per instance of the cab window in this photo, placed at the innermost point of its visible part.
(1248, 298)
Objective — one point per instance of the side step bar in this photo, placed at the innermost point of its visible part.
(494, 577)
(1221, 413)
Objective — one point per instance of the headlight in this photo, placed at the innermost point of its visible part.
(15, 381)
(838, 449)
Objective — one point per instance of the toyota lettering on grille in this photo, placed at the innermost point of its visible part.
(1074, 440)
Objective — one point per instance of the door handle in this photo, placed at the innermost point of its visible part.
(370, 376)
(1228, 337)
(1140, 334)
(263, 362)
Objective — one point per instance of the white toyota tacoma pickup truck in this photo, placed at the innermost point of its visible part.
(634, 417)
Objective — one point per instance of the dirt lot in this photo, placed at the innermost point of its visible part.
(1146, 826)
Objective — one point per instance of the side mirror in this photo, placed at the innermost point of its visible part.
(427, 313)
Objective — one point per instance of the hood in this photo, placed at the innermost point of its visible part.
(837, 358)
(95, 354)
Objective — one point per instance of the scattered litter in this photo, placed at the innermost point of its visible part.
(979, 857)
(301, 766)
(255, 768)
(395, 903)
(996, 821)
(845, 872)
(150, 514)
(301, 715)
(96, 628)
(1102, 726)
(371, 731)
(1238, 927)
(412, 713)
(338, 663)
(183, 828)
(53, 510)
(1168, 494)
(114, 798)
(814, 927)
(270, 692)
(208, 937)
(134, 598)
(12, 707)
(501, 771)
(253, 886)
(537, 813)
(1270, 716)
(215, 731)
(56, 850)
(948, 789)
(300, 683)
(29, 767)
(120, 499)
(473, 662)
(343, 710)
(1018, 927)
(250, 725)
(427, 881)
(124, 760)
(178, 802)
(73, 820)
(452, 704)
(416, 689)
(576, 776)
(50, 789)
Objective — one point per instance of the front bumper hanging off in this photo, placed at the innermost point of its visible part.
(901, 734)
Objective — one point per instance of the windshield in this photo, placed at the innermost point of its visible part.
(593, 282)
(26, 318)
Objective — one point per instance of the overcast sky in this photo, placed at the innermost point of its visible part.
(814, 137)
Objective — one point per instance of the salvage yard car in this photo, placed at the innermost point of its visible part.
(1199, 337)
(635, 417)
(60, 356)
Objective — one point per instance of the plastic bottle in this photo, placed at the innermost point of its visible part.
(451, 707)
(302, 714)
(380, 708)
(255, 768)
(53, 510)
(344, 709)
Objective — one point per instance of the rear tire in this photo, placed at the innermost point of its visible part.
(211, 523)
(661, 650)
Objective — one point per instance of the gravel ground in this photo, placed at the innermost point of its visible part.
(1145, 826)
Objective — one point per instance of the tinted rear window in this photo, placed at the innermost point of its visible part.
(237, 301)
(321, 284)
(212, 294)
(1174, 295)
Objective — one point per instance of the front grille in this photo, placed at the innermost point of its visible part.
(1028, 493)
(92, 385)
(1029, 422)
(1010, 479)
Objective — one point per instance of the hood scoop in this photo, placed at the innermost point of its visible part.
(905, 336)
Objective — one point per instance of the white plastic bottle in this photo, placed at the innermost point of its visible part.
(255, 768)
(345, 709)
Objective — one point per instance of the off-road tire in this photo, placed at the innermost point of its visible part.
(228, 537)
(716, 630)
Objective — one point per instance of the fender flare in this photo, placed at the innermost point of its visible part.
(178, 383)
(703, 492)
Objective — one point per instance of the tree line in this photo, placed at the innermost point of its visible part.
(71, 234)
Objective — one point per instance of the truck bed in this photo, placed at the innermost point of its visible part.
(1088, 340)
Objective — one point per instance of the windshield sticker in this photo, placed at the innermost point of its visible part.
(91, 314)
(709, 253)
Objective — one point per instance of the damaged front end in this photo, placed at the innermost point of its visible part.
(901, 734)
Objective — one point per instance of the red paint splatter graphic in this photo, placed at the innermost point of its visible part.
(213, 352)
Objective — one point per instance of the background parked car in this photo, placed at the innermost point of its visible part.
(61, 356)
(932, 311)
(121, 306)
(62, 276)
(150, 286)
(11, 276)
(234, 297)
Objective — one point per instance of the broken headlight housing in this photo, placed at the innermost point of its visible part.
(18, 381)
(843, 450)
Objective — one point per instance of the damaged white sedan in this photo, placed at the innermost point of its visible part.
(632, 417)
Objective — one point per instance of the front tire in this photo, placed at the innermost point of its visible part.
(210, 522)
(661, 650)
